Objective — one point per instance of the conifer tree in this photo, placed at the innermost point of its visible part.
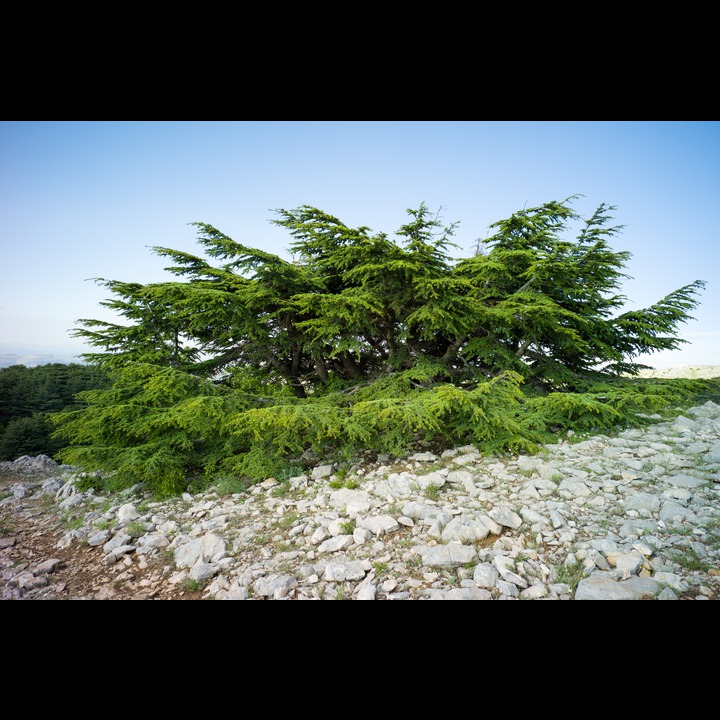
(360, 339)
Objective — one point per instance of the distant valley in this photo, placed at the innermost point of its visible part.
(33, 355)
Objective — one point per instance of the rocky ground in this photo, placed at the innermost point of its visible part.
(632, 516)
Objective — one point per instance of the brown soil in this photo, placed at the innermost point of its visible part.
(30, 529)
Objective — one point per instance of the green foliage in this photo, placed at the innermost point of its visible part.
(252, 365)
(29, 395)
(609, 405)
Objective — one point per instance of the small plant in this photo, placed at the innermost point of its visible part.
(143, 506)
(280, 490)
(347, 527)
(135, 529)
(106, 504)
(349, 483)
(570, 574)
(194, 585)
(431, 492)
(689, 559)
(685, 530)
(380, 568)
(288, 471)
(71, 522)
(232, 485)
(4, 528)
(287, 521)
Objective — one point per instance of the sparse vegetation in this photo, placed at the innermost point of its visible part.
(232, 485)
(287, 521)
(279, 490)
(195, 585)
(688, 558)
(135, 529)
(569, 573)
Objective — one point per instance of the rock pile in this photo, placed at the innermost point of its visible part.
(632, 516)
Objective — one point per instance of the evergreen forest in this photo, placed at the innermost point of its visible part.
(245, 365)
(29, 395)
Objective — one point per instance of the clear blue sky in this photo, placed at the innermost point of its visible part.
(80, 200)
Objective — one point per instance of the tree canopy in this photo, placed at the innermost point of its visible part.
(28, 395)
(248, 359)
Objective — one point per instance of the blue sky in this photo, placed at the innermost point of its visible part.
(86, 199)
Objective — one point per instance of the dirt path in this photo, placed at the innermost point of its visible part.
(31, 529)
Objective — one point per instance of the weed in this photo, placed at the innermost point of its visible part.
(432, 492)
(232, 485)
(414, 560)
(135, 529)
(106, 504)
(194, 585)
(689, 559)
(280, 490)
(714, 539)
(570, 574)
(347, 527)
(433, 467)
(4, 528)
(287, 521)
(685, 530)
(71, 522)
(289, 471)
(343, 482)
(380, 568)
